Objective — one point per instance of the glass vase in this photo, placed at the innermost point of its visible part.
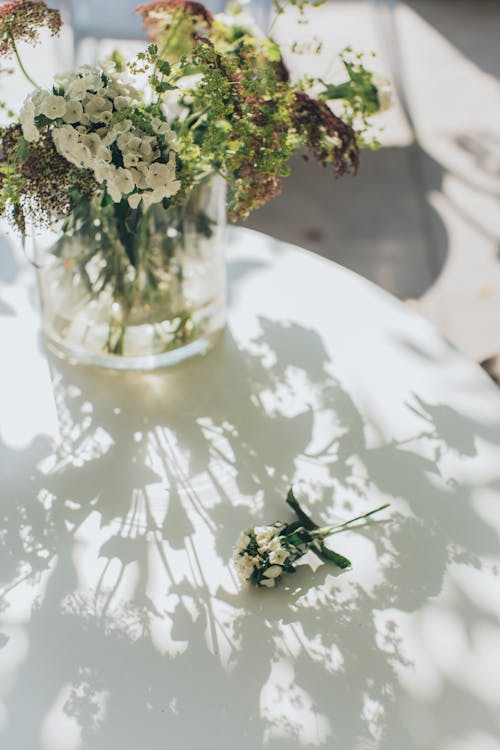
(131, 289)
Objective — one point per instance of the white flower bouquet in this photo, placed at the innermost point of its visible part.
(263, 554)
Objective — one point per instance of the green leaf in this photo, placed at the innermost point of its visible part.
(153, 50)
(272, 50)
(161, 86)
(299, 537)
(204, 224)
(164, 67)
(329, 554)
(292, 501)
(118, 60)
(332, 91)
(22, 149)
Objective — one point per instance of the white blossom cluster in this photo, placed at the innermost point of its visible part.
(91, 128)
(262, 554)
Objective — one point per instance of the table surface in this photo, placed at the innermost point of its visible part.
(122, 625)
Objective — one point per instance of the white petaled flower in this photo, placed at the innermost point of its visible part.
(278, 556)
(108, 66)
(160, 193)
(84, 80)
(243, 19)
(52, 106)
(63, 80)
(146, 147)
(245, 566)
(160, 179)
(162, 175)
(274, 571)
(134, 199)
(131, 150)
(99, 109)
(124, 138)
(120, 185)
(137, 149)
(131, 159)
(36, 98)
(73, 112)
(109, 135)
(264, 534)
(103, 171)
(259, 556)
(267, 582)
(27, 119)
(139, 175)
(243, 541)
(122, 126)
(160, 126)
(98, 150)
(66, 136)
(121, 102)
(68, 143)
(150, 197)
(79, 155)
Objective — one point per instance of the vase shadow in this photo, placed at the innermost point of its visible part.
(124, 527)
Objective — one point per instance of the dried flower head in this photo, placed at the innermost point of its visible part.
(157, 15)
(38, 183)
(330, 139)
(21, 21)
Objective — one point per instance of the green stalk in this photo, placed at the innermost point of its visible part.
(339, 91)
(171, 35)
(195, 118)
(165, 47)
(304, 519)
(20, 63)
(326, 531)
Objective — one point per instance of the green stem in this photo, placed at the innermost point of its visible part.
(170, 36)
(163, 50)
(195, 118)
(304, 519)
(339, 91)
(326, 531)
(20, 63)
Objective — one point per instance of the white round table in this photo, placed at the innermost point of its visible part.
(122, 624)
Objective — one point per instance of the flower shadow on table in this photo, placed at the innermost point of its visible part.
(121, 535)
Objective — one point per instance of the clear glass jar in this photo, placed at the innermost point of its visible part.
(133, 290)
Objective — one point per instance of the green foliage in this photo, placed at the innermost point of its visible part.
(22, 149)
(237, 115)
(242, 117)
(358, 95)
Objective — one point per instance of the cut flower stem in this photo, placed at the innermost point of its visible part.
(327, 530)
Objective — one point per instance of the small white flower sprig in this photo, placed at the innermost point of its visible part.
(263, 553)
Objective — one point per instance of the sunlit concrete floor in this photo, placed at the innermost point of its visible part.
(422, 218)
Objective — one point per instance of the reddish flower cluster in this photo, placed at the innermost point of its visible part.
(317, 122)
(21, 20)
(48, 185)
(156, 15)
